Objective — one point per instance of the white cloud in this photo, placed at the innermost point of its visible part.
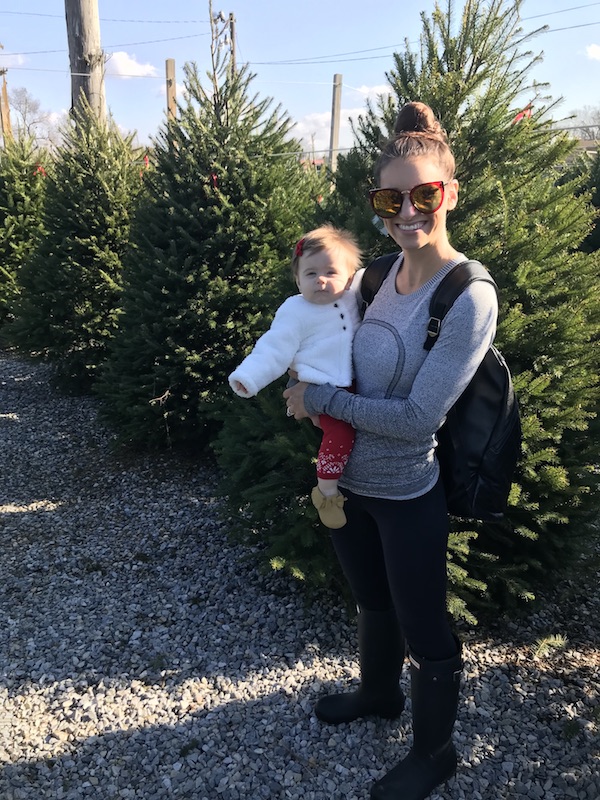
(57, 118)
(593, 52)
(371, 92)
(179, 91)
(314, 130)
(11, 61)
(122, 65)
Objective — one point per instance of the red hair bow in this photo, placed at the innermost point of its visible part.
(299, 248)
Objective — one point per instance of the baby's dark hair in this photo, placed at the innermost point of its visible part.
(326, 237)
(417, 132)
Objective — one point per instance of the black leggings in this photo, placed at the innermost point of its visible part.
(393, 553)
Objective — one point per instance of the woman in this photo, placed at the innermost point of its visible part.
(393, 547)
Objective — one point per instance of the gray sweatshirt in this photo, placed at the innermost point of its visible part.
(404, 392)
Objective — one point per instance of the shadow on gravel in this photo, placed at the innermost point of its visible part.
(142, 655)
(272, 747)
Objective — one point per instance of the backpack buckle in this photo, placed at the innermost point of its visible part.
(433, 328)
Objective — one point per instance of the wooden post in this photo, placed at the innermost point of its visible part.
(334, 141)
(171, 89)
(5, 125)
(7, 134)
(232, 44)
(85, 55)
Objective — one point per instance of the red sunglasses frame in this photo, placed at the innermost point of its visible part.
(411, 196)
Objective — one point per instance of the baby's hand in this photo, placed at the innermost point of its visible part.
(239, 387)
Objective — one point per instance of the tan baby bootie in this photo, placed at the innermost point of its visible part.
(330, 508)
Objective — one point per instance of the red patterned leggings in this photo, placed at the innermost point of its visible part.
(336, 446)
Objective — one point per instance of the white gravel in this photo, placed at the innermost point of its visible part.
(142, 655)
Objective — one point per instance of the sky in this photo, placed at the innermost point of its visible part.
(293, 49)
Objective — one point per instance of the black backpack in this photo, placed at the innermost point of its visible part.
(480, 441)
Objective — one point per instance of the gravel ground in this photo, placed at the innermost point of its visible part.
(142, 655)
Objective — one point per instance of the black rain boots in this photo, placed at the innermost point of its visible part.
(381, 652)
(432, 759)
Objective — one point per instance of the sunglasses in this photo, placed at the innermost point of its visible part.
(426, 198)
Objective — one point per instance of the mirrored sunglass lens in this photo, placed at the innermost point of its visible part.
(426, 198)
(387, 203)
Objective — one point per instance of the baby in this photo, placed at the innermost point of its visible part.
(312, 334)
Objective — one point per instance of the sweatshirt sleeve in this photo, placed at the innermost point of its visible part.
(467, 332)
(272, 354)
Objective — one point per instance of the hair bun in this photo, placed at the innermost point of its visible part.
(418, 118)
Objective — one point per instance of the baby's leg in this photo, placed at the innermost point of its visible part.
(336, 446)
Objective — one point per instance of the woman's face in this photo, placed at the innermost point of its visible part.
(412, 229)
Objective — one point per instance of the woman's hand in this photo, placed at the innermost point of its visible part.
(294, 396)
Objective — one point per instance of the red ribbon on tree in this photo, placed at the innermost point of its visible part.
(525, 114)
(146, 161)
(39, 170)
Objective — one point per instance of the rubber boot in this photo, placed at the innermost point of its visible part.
(432, 759)
(381, 652)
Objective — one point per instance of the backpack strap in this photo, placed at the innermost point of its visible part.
(373, 277)
(450, 287)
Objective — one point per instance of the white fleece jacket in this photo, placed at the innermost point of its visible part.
(314, 340)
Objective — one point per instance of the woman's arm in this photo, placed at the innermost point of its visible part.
(467, 333)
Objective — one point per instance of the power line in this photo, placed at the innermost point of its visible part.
(561, 11)
(110, 46)
(336, 55)
(571, 27)
(206, 22)
(66, 71)
(331, 58)
(157, 41)
(107, 19)
(319, 59)
(308, 63)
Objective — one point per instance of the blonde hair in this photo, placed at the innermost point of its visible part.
(327, 237)
(417, 132)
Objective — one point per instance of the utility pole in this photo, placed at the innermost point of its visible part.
(232, 44)
(85, 55)
(219, 24)
(336, 104)
(5, 109)
(171, 89)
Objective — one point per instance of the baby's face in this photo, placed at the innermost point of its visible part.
(323, 277)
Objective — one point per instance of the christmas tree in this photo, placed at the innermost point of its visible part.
(592, 241)
(23, 170)
(70, 286)
(227, 198)
(525, 226)
(518, 219)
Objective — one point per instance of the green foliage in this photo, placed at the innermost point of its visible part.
(544, 647)
(22, 185)
(70, 285)
(211, 246)
(588, 169)
(592, 243)
(519, 216)
(268, 463)
(526, 224)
